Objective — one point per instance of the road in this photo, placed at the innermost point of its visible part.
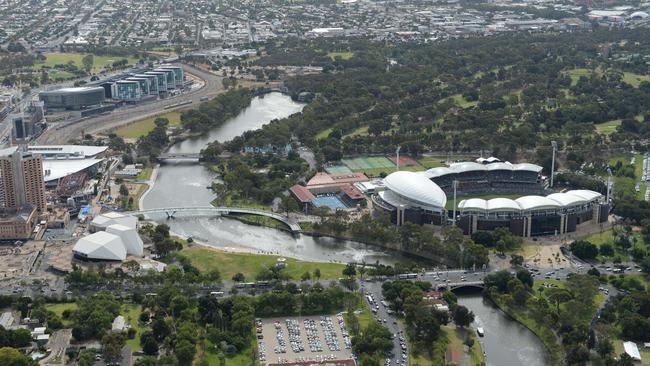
(399, 356)
(58, 342)
(122, 116)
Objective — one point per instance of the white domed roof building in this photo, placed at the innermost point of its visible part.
(412, 197)
(100, 246)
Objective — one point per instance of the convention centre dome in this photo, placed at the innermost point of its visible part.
(417, 189)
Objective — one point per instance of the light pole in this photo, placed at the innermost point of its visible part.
(609, 183)
(554, 144)
(454, 215)
(397, 153)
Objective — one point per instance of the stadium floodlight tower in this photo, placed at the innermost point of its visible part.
(554, 144)
(455, 183)
(397, 153)
(609, 183)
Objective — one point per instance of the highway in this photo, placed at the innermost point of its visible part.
(60, 134)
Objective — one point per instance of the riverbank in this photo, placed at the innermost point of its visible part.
(546, 335)
(249, 264)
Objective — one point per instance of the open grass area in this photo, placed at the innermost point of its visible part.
(361, 131)
(323, 134)
(145, 174)
(634, 79)
(376, 172)
(59, 308)
(131, 314)
(144, 126)
(242, 358)
(628, 77)
(431, 162)
(228, 264)
(487, 196)
(100, 62)
(575, 74)
(345, 55)
(460, 101)
(58, 75)
(609, 127)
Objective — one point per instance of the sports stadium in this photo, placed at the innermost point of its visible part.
(422, 198)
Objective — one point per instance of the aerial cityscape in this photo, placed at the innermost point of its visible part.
(324, 183)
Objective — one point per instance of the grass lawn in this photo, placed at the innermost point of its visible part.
(145, 174)
(376, 172)
(634, 79)
(58, 309)
(575, 74)
(242, 358)
(143, 188)
(361, 131)
(144, 126)
(345, 55)
(131, 314)
(323, 134)
(431, 162)
(250, 264)
(450, 199)
(99, 64)
(461, 101)
(57, 75)
(609, 127)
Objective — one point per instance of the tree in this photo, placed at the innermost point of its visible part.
(605, 347)
(112, 344)
(185, 351)
(21, 338)
(124, 190)
(525, 277)
(11, 357)
(584, 249)
(350, 270)
(558, 296)
(238, 277)
(462, 316)
(306, 276)
(317, 274)
(88, 61)
(288, 204)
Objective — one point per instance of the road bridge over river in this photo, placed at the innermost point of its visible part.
(173, 212)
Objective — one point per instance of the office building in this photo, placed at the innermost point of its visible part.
(21, 177)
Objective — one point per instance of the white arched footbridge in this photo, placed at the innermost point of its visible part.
(172, 212)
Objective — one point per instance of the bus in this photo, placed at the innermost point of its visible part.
(217, 293)
(406, 276)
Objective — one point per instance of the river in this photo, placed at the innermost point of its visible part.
(506, 342)
(181, 184)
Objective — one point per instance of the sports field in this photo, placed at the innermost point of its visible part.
(372, 162)
(337, 169)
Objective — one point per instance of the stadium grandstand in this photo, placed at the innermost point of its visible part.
(496, 176)
(557, 213)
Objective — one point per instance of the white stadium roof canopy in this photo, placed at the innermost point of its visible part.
(417, 189)
(54, 169)
(469, 166)
(530, 203)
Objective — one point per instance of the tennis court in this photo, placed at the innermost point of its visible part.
(372, 162)
(337, 169)
(333, 202)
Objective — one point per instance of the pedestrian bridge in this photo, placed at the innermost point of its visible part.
(179, 156)
(173, 212)
(456, 285)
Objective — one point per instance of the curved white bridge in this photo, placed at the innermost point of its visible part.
(172, 212)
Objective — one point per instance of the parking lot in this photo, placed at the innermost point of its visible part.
(306, 338)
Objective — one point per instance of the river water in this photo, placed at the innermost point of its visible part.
(506, 342)
(185, 184)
